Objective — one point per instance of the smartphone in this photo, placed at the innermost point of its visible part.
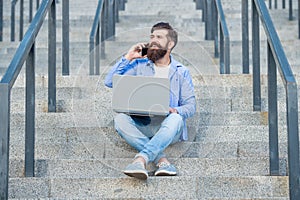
(144, 51)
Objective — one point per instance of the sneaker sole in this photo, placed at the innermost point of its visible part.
(136, 174)
(165, 173)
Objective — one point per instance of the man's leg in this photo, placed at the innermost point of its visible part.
(127, 129)
(168, 133)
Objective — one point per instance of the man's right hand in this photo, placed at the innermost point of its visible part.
(135, 52)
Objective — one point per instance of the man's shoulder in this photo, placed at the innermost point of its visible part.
(177, 64)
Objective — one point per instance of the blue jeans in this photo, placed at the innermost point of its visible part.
(150, 139)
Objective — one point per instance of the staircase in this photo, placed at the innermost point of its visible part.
(79, 155)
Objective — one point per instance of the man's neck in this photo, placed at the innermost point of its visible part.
(163, 62)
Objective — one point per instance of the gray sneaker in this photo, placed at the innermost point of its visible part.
(137, 170)
(165, 169)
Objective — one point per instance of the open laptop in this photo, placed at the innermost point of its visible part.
(141, 95)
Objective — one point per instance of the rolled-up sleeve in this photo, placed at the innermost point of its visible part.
(121, 67)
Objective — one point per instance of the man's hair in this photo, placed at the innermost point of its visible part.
(172, 34)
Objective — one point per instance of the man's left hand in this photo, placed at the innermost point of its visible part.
(173, 110)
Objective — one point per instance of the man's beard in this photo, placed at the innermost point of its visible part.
(156, 54)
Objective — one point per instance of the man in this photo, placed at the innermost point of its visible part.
(151, 136)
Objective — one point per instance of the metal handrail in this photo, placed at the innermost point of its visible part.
(26, 52)
(13, 4)
(224, 39)
(103, 28)
(1, 20)
(276, 60)
(283, 6)
(98, 25)
(291, 17)
(12, 20)
(214, 18)
(276, 5)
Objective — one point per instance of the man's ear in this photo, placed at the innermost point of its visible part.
(171, 44)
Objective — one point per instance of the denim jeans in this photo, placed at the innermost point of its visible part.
(150, 139)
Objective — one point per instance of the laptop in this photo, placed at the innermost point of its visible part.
(141, 95)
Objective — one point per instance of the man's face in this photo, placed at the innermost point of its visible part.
(158, 45)
(159, 39)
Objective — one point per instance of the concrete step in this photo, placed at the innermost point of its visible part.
(254, 187)
(77, 99)
(103, 116)
(141, 31)
(165, 7)
(73, 143)
(88, 6)
(206, 86)
(108, 168)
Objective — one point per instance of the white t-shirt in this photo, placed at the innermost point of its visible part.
(161, 72)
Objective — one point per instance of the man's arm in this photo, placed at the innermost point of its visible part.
(125, 64)
(119, 68)
(187, 98)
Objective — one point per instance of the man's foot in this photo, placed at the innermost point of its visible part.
(137, 170)
(165, 169)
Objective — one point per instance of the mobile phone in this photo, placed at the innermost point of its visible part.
(144, 51)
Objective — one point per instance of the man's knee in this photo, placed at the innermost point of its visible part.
(121, 120)
(174, 120)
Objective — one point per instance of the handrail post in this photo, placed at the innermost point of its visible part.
(30, 113)
(121, 4)
(65, 33)
(30, 10)
(52, 59)
(215, 27)
(110, 19)
(4, 138)
(199, 4)
(12, 20)
(114, 17)
(116, 14)
(245, 36)
(291, 10)
(1, 20)
(227, 53)
(204, 11)
(92, 57)
(256, 59)
(272, 114)
(208, 23)
(293, 140)
(222, 67)
(103, 28)
(21, 19)
(97, 71)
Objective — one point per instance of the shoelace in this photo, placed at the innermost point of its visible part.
(162, 164)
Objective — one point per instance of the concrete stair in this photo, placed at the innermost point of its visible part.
(80, 156)
(225, 157)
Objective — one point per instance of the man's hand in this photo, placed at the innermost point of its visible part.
(135, 52)
(173, 110)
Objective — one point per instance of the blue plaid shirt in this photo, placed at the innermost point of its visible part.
(182, 96)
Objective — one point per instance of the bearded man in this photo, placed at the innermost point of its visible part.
(150, 136)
